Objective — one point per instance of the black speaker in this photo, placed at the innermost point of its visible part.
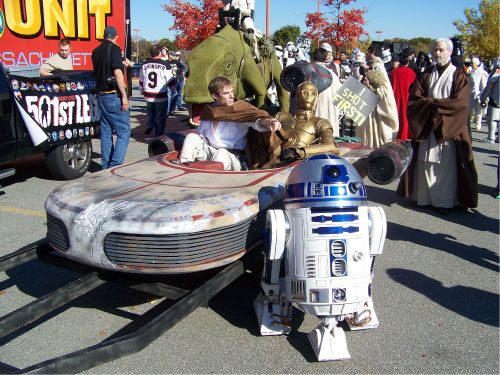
(398, 47)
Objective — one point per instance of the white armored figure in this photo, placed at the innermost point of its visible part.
(328, 237)
(246, 8)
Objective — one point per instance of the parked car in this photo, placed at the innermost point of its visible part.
(136, 70)
(56, 115)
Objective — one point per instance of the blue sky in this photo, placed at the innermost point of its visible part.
(404, 19)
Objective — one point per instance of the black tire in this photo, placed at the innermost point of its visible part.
(70, 161)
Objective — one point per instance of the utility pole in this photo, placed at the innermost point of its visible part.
(319, 1)
(338, 29)
(378, 32)
(137, 45)
(267, 18)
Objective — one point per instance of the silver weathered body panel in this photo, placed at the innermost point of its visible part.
(155, 197)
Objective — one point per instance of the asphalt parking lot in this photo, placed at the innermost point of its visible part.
(436, 292)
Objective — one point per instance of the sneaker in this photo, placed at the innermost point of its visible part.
(176, 161)
(148, 130)
(487, 140)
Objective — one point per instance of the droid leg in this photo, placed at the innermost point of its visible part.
(274, 312)
(328, 341)
(364, 319)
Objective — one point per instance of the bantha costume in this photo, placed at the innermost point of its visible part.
(382, 125)
(442, 170)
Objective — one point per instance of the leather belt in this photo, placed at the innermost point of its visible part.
(236, 152)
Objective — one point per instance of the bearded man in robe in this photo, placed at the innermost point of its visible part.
(442, 171)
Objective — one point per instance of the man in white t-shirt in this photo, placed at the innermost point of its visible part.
(154, 78)
(61, 61)
(223, 128)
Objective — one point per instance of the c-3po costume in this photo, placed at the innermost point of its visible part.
(304, 134)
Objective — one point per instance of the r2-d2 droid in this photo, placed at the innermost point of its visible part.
(328, 237)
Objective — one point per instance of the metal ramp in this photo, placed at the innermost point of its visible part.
(185, 302)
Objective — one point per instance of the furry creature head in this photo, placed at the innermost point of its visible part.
(376, 78)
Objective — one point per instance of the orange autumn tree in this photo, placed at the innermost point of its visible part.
(317, 23)
(194, 23)
(341, 28)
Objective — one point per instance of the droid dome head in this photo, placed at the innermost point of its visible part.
(324, 180)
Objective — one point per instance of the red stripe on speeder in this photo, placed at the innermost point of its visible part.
(247, 203)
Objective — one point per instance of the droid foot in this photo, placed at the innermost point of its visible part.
(270, 318)
(364, 319)
(329, 345)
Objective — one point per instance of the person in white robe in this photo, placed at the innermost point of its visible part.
(382, 125)
(325, 109)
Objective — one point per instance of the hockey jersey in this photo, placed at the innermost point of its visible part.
(154, 79)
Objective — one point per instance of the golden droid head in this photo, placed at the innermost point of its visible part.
(307, 96)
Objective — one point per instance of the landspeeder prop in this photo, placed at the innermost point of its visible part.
(152, 216)
(328, 237)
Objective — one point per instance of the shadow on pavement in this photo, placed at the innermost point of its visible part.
(472, 303)
(32, 279)
(174, 123)
(444, 242)
(469, 218)
(32, 166)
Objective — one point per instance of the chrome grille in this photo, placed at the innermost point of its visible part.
(298, 290)
(338, 249)
(339, 267)
(186, 249)
(311, 267)
(57, 233)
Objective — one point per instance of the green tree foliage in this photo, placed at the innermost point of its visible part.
(165, 42)
(286, 34)
(479, 31)
(420, 44)
(145, 46)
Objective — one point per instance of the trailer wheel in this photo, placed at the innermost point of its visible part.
(69, 161)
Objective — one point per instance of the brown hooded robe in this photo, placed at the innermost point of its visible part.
(447, 118)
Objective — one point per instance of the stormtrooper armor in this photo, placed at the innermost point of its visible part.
(328, 237)
(246, 8)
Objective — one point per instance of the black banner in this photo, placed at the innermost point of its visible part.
(64, 107)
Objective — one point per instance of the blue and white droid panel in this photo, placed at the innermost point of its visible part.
(324, 180)
(329, 262)
(328, 252)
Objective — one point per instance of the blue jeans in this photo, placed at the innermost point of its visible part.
(157, 114)
(113, 119)
(180, 87)
(172, 99)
